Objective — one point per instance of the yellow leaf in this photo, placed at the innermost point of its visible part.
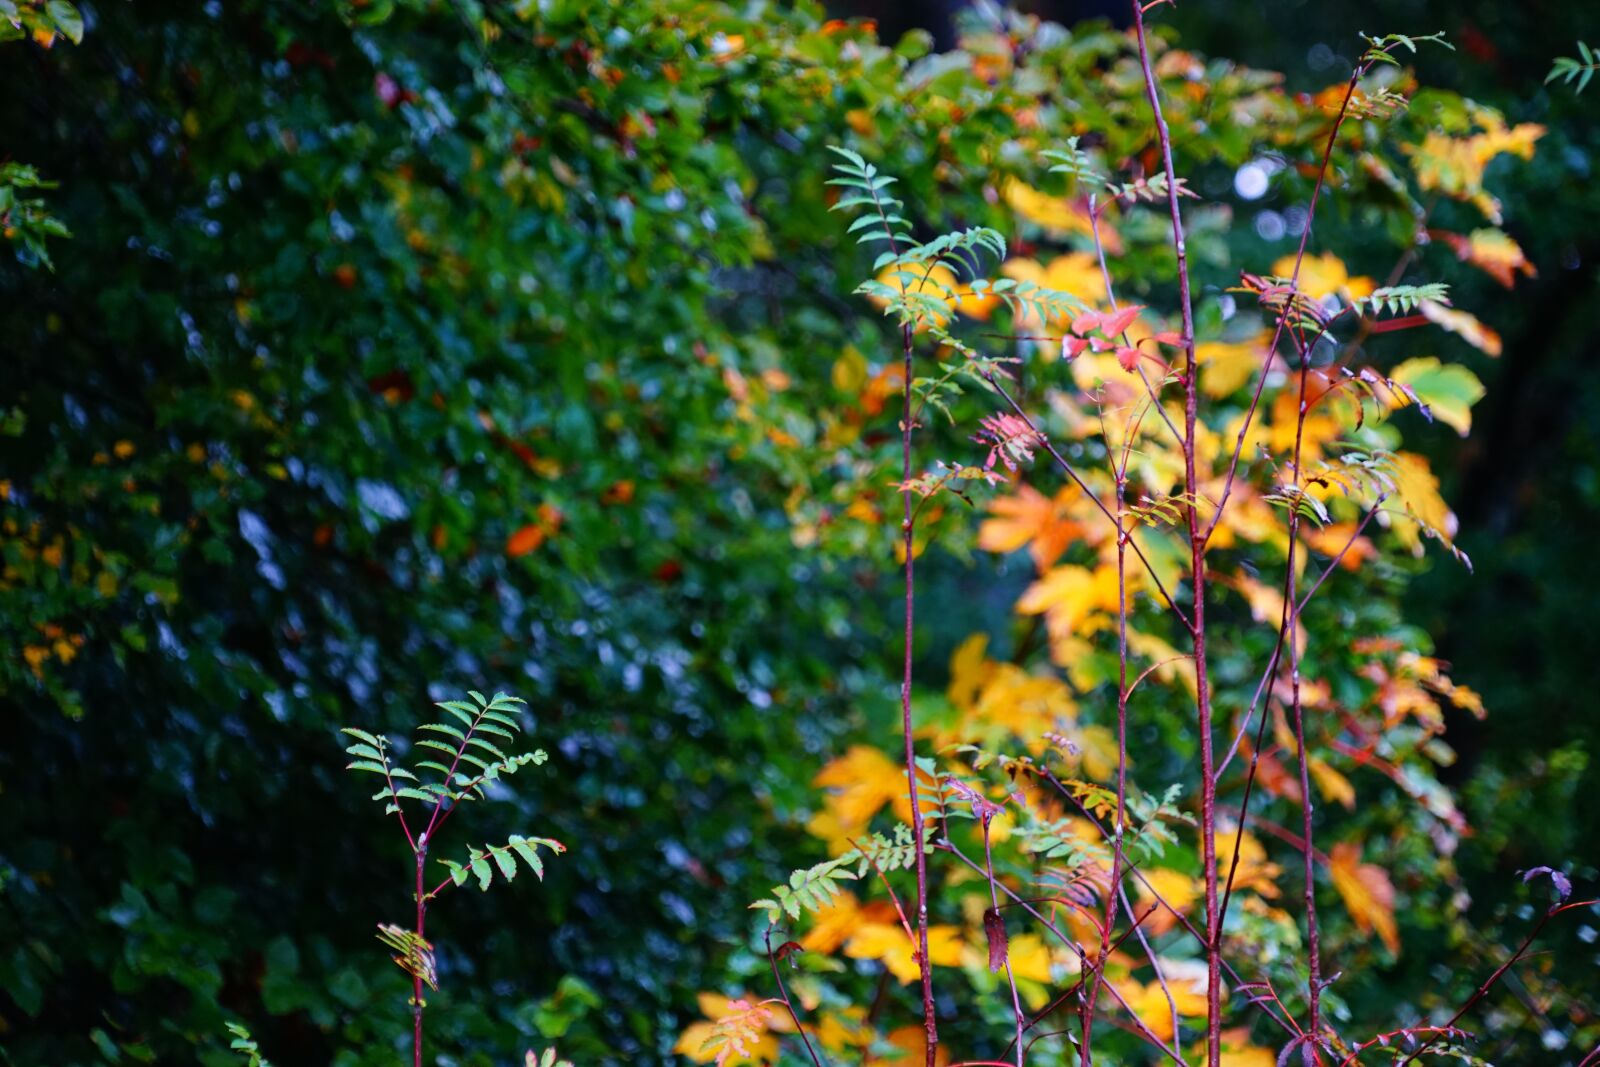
(1030, 958)
(1176, 891)
(1225, 366)
(1368, 894)
(1325, 275)
(1331, 784)
(1186, 981)
(1491, 251)
(888, 943)
(1454, 165)
(1449, 390)
(1255, 872)
(1418, 493)
(833, 925)
(845, 1029)
(850, 370)
(936, 280)
(912, 1041)
(1077, 273)
(1054, 213)
(861, 782)
(970, 670)
(1069, 596)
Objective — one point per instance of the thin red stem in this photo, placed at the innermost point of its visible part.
(1197, 561)
(907, 528)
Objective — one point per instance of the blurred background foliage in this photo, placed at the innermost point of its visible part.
(410, 347)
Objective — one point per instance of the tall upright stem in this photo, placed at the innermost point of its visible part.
(1291, 627)
(416, 977)
(930, 1024)
(1197, 562)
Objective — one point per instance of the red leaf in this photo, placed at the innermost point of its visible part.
(1072, 347)
(1168, 337)
(1127, 357)
(994, 928)
(1114, 324)
(1089, 320)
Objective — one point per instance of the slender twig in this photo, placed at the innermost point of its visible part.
(907, 531)
(1083, 958)
(1294, 281)
(994, 902)
(1113, 896)
(1183, 920)
(1489, 983)
(1272, 662)
(783, 995)
(1291, 628)
(1197, 560)
(1071, 472)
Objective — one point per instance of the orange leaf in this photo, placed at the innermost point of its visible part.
(525, 540)
(1367, 893)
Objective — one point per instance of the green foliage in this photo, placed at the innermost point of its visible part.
(1569, 69)
(505, 860)
(472, 760)
(815, 887)
(245, 1045)
(43, 20)
(25, 219)
(1399, 299)
(1382, 48)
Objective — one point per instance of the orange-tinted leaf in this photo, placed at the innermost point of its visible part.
(525, 540)
(1368, 894)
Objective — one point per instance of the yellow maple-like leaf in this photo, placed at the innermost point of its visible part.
(845, 1029)
(938, 281)
(1171, 892)
(1186, 981)
(1367, 892)
(1237, 1051)
(1325, 275)
(833, 925)
(1333, 538)
(912, 1041)
(1055, 213)
(1069, 596)
(1030, 958)
(1492, 251)
(888, 943)
(860, 783)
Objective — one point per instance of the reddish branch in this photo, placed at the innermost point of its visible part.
(929, 1022)
(1197, 561)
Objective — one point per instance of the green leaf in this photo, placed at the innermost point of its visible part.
(67, 20)
(1449, 390)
